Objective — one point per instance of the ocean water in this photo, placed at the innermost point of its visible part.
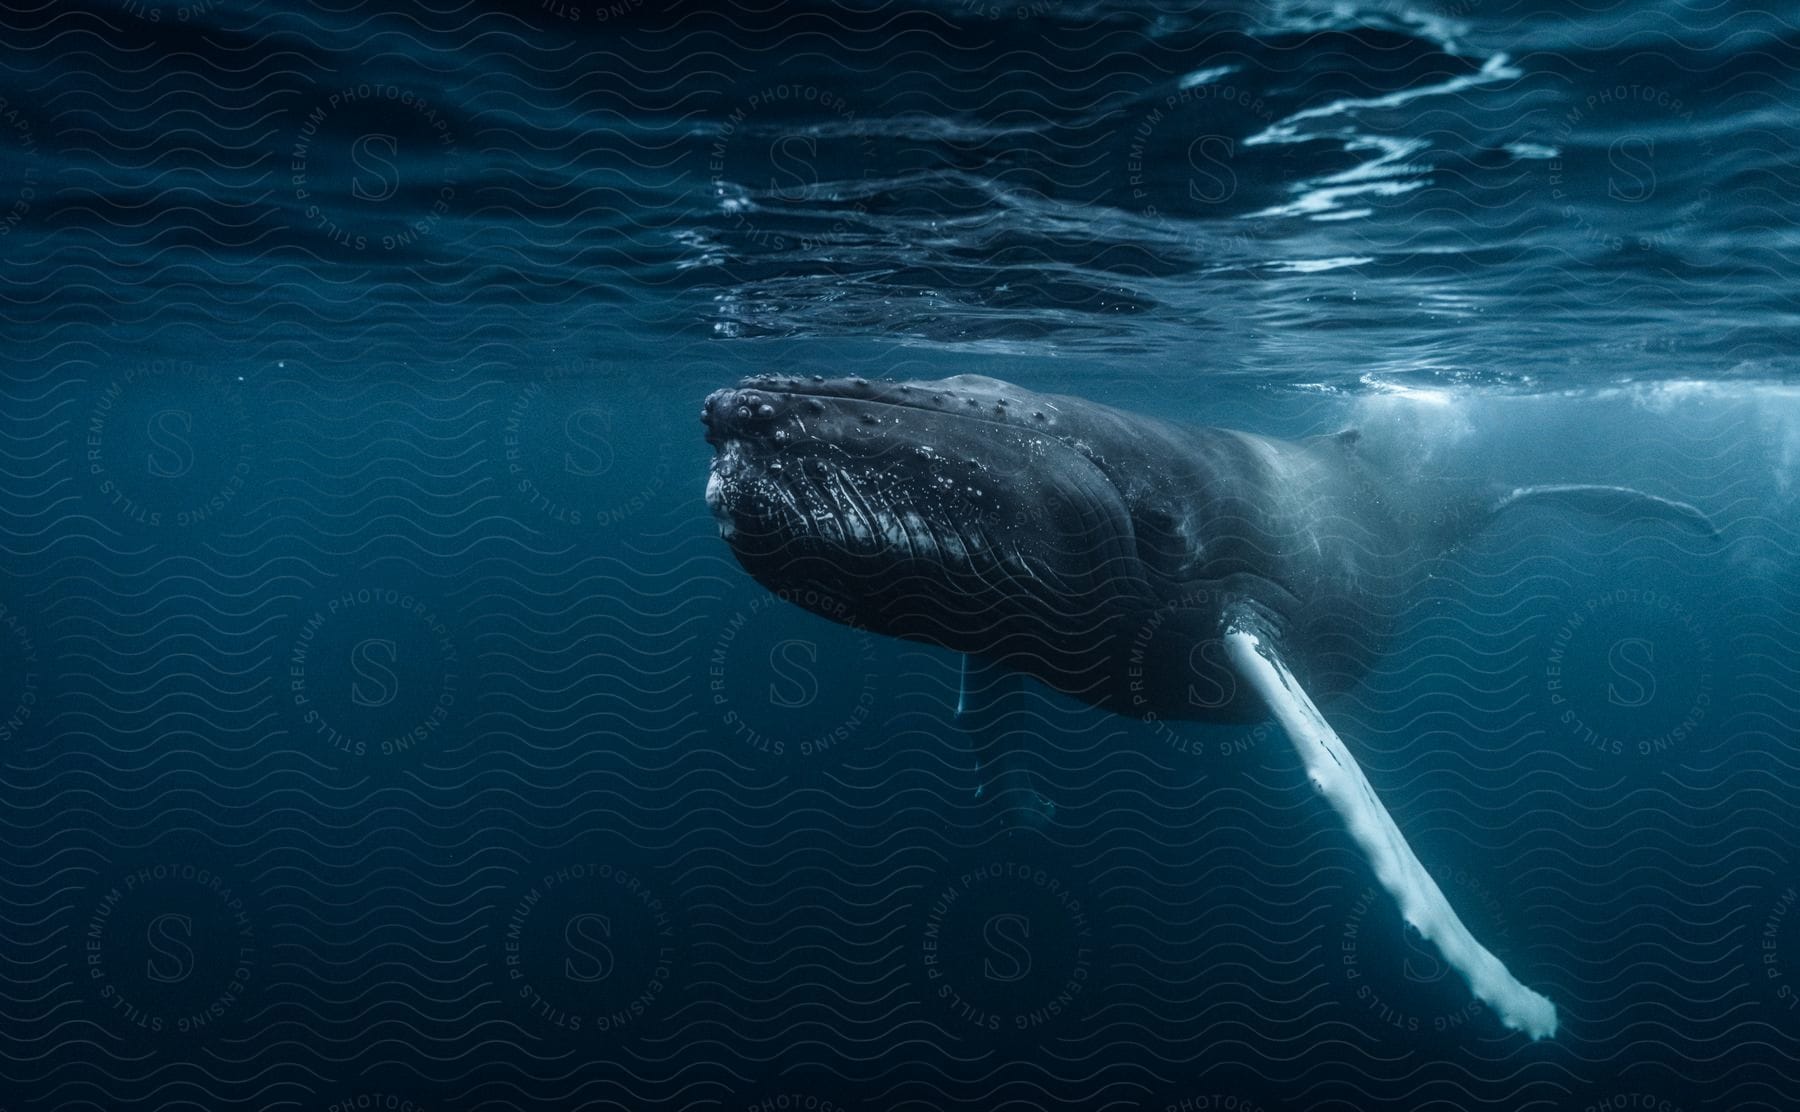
(383, 724)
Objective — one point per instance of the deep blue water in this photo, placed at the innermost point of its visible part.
(384, 725)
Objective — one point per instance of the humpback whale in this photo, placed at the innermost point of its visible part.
(1140, 566)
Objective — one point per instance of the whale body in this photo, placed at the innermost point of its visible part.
(1144, 567)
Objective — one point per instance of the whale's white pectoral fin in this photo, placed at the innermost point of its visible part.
(1335, 773)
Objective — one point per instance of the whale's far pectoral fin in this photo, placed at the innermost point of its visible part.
(1335, 773)
(1617, 502)
(989, 707)
(984, 690)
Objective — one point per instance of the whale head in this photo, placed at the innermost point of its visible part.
(953, 511)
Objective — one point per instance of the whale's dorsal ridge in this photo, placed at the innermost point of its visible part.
(985, 381)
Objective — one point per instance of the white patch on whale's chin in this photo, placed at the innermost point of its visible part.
(715, 501)
(729, 462)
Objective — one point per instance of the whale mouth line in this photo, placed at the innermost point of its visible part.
(818, 502)
(755, 480)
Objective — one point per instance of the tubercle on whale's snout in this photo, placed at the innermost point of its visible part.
(776, 418)
(757, 404)
(748, 414)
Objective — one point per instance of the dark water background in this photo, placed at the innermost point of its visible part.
(384, 726)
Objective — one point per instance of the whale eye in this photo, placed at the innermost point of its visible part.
(1161, 540)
